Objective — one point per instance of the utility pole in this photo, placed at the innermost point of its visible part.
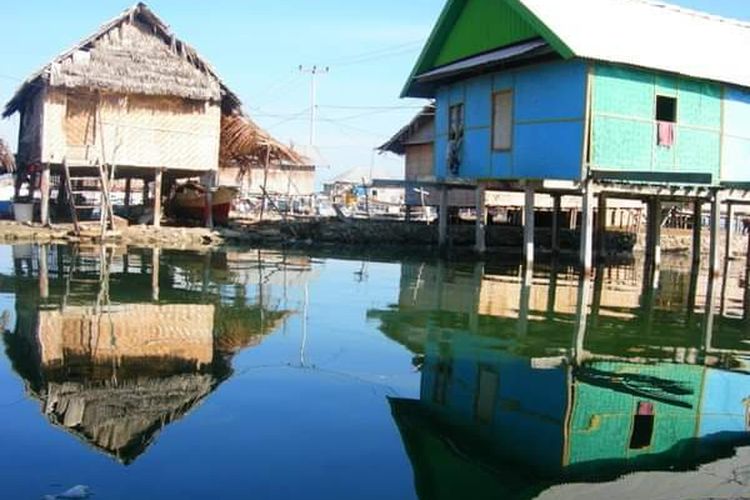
(313, 71)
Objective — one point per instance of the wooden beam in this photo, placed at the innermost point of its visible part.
(697, 232)
(528, 229)
(601, 226)
(714, 256)
(45, 188)
(587, 229)
(127, 192)
(443, 218)
(208, 214)
(158, 177)
(557, 207)
(728, 232)
(480, 244)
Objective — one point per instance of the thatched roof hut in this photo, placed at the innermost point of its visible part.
(244, 142)
(7, 159)
(123, 57)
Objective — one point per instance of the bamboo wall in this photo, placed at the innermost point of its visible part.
(134, 131)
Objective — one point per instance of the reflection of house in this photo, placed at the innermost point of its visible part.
(510, 425)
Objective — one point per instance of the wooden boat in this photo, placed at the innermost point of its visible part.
(189, 201)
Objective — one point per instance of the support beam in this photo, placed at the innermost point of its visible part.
(144, 192)
(587, 229)
(601, 226)
(697, 231)
(728, 232)
(155, 267)
(653, 239)
(443, 218)
(528, 228)
(714, 256)
(158, 177)
(480, 240)
(127, 192)
(45, 188)
(556, 209)
(208, 214)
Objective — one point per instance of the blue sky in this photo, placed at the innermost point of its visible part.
(257, 46)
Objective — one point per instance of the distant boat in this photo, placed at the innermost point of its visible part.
(189, 201)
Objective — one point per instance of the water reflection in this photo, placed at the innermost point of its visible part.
(530, 382)
(118, 344)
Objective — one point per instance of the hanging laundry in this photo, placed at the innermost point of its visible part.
(665, 134)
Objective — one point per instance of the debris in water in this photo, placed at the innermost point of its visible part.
(76, 492)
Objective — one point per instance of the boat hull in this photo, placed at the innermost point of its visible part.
(191, 204)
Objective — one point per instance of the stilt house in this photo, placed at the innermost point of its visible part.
(611, 97)
(132, 97)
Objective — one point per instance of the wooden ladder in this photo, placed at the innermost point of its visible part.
(102, 186)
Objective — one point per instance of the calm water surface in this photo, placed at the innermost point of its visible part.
(256, 374)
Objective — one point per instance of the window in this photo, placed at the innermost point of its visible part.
(502, 120)
(486, 395)
(666, 109)
(80, 123)
(643, 426)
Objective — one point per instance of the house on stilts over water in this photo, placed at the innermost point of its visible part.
(131, 102)
(593, 99)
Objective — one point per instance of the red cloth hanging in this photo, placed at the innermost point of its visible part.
(665, 134)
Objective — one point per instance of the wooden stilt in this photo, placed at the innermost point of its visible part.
(653, 236)
(45, 189)
(556, 209)
(697, 231)
(144, 192)
(155, 267)
(601, 226)
(528, 229)
(552, 292)
(582, 311)
(747, 281)
(728, 232)
(127, 192)
(43, 273)
(587, 228)
(714, 257)
(209, 213)
(443, 218)
(158, 177)
(480, 241)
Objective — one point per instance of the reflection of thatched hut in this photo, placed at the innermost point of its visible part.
(7, 160)
(130, 95)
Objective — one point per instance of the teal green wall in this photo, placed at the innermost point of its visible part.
(601, 424)
(623, 134)
(483, 25)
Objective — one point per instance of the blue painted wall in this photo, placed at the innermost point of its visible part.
(548, 124)
(725, 403)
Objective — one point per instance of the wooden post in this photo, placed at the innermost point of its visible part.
(155, 261)
(480, 244)
(528, 229)
(443, 218)
(715, 258)
(747, 280)
(582, 311)
(653, 240)
(601, 226)
(157, 197)
(556, 209)
(127, 192)
(728, 231)
(587, 228)
(144, 192)
(697, 230)
(43, 273)
(45, 188)
(209, 206)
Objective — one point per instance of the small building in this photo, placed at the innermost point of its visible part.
(377, 184)
(529, 98)
(131, 98)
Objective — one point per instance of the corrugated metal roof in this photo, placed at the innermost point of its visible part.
(496, 56)
(651, 35)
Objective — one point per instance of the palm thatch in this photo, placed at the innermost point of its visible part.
(135, 53)
(244, 144)
(7, 160)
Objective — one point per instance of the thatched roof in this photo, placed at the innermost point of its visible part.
(7, 160)
(135, 53)
(244, 143)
